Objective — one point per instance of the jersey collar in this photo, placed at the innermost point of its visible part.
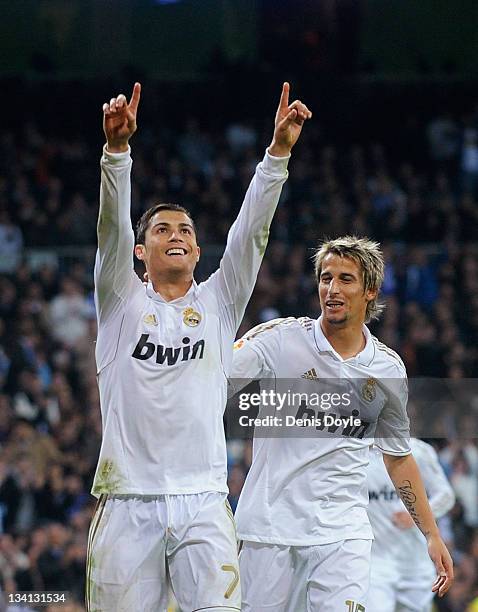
(157, 297)
(365, 356)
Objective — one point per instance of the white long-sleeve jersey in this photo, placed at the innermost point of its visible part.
(405, 549)
(306, 487)
(162, 366)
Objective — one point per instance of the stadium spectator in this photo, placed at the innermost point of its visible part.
(68, 315)
(11, 244)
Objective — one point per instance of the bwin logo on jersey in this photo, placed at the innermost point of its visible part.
(145, 350)
(386, 493)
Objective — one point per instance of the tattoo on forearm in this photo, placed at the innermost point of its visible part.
(409, 499)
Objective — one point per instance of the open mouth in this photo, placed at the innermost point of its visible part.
(334, 305)
(175, 252)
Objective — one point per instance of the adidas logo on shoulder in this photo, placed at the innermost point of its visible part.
(310, 375)
(306, 322)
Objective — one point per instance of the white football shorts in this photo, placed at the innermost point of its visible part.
(137, 545)
(329, 577)
(392, 592)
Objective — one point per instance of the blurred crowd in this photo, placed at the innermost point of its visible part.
(424, 214)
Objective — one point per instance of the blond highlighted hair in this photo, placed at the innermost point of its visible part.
(369, 257)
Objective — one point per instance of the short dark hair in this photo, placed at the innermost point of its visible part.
(146, 217)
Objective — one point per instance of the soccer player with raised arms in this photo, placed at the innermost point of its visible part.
(163, 353)
(302, 513)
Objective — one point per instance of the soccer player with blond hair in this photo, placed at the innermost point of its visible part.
(302, 514)
(164, 350)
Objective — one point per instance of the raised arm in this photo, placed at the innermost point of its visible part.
(114, 274)
(406, 477)
(248, 236)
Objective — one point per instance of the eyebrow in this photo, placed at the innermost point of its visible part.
(342, 274)
(166, 224)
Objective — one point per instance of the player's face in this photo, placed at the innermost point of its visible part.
(341, 291)
(170, 244)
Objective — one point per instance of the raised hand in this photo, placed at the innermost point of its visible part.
(119, 120)
(288, 123)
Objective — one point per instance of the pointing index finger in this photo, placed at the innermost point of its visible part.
(284, 98)
(133, 103)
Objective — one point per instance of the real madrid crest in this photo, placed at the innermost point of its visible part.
(368, 390)
(191, 317)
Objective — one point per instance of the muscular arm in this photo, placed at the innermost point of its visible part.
(439, 492)
(405, 475)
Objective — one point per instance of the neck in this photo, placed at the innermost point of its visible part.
(171, 288)
(347, 340)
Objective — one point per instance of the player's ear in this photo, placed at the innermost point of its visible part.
(198, 253)
(371, 294)
(139, 251)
